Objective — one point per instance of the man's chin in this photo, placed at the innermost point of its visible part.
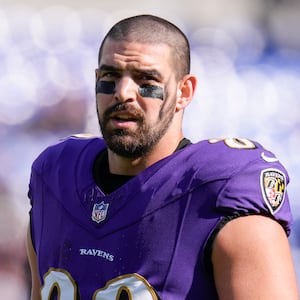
(128, 148)
(126, 153)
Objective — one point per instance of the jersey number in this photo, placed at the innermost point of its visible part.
(135, 286)
(237, 143)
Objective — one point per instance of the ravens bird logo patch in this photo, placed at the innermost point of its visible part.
(273, 183)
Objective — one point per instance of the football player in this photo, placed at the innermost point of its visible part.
(145, 214)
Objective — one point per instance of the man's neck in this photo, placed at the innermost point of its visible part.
(109, 182)
(133, 166)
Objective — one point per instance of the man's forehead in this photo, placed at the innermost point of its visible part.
(135, 46)
(136, 53)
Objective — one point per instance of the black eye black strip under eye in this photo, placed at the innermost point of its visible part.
(151, 91)
(105, 87)
(145, 90)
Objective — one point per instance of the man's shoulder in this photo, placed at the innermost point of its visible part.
(79, 140)
(223, 157)
(228, 148)
(69, 147)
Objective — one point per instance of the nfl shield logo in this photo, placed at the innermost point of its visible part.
(99, 212)
(273, 183)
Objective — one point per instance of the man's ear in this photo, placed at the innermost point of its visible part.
(185, 91)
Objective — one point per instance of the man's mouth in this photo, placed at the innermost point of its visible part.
(123, 120)
(124, 117)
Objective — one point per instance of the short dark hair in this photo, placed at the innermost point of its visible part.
(153, 29)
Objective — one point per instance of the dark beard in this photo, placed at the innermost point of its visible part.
(128, 144)
(135, 144)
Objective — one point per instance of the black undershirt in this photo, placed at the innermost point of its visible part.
(109, 182)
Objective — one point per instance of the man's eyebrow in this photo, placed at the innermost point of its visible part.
(108, 68)
(148, 72)
(152, 72)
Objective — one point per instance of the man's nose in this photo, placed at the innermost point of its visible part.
(126, 89)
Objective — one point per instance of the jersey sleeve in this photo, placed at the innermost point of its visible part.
(33, 216)
(36, 191)
(259, 187)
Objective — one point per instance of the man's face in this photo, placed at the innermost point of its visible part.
(136, 95)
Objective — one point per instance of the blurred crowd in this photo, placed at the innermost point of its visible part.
(246, 55)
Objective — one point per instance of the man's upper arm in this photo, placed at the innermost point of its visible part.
(35, 285)
(252, 260)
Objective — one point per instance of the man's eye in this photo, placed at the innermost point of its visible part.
(148, 79)
(109, 75)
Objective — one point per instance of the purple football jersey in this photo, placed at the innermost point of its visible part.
(149, 238)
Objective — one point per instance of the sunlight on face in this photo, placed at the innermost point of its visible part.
(131, 118)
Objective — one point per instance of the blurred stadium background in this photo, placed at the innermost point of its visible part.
(245, 53)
